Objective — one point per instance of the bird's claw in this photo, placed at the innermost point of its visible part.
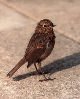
(47, 79)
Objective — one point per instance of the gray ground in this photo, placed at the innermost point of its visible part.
(18, 19)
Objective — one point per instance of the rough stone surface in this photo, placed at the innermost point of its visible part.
(63, 63)
(64, 13)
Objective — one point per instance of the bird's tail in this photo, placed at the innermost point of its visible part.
(18, 65)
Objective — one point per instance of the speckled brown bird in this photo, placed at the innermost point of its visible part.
(40, 46)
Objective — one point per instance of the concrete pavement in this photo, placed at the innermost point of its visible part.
(17, 24)
(64, 13)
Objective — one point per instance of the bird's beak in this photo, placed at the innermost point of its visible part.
(54, 25)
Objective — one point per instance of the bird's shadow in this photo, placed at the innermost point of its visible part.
(55, 66)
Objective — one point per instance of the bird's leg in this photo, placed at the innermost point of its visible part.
(36, 68)
(45, 78)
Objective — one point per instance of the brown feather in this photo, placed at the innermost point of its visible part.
(40, 45)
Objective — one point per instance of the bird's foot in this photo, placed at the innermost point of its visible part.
(47, 79)
(39, 73)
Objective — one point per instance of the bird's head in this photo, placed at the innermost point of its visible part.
(45, 26)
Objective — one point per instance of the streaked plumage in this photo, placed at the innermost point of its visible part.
(40, 46)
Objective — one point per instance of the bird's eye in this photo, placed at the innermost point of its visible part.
(44, 25)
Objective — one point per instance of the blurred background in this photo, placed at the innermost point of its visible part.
(64, 13)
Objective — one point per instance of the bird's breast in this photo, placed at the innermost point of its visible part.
(48, 45)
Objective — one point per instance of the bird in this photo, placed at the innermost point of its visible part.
(39, 47)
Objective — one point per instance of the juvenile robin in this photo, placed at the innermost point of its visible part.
(40, 47)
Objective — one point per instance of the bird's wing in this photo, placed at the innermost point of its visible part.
(35, 48)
